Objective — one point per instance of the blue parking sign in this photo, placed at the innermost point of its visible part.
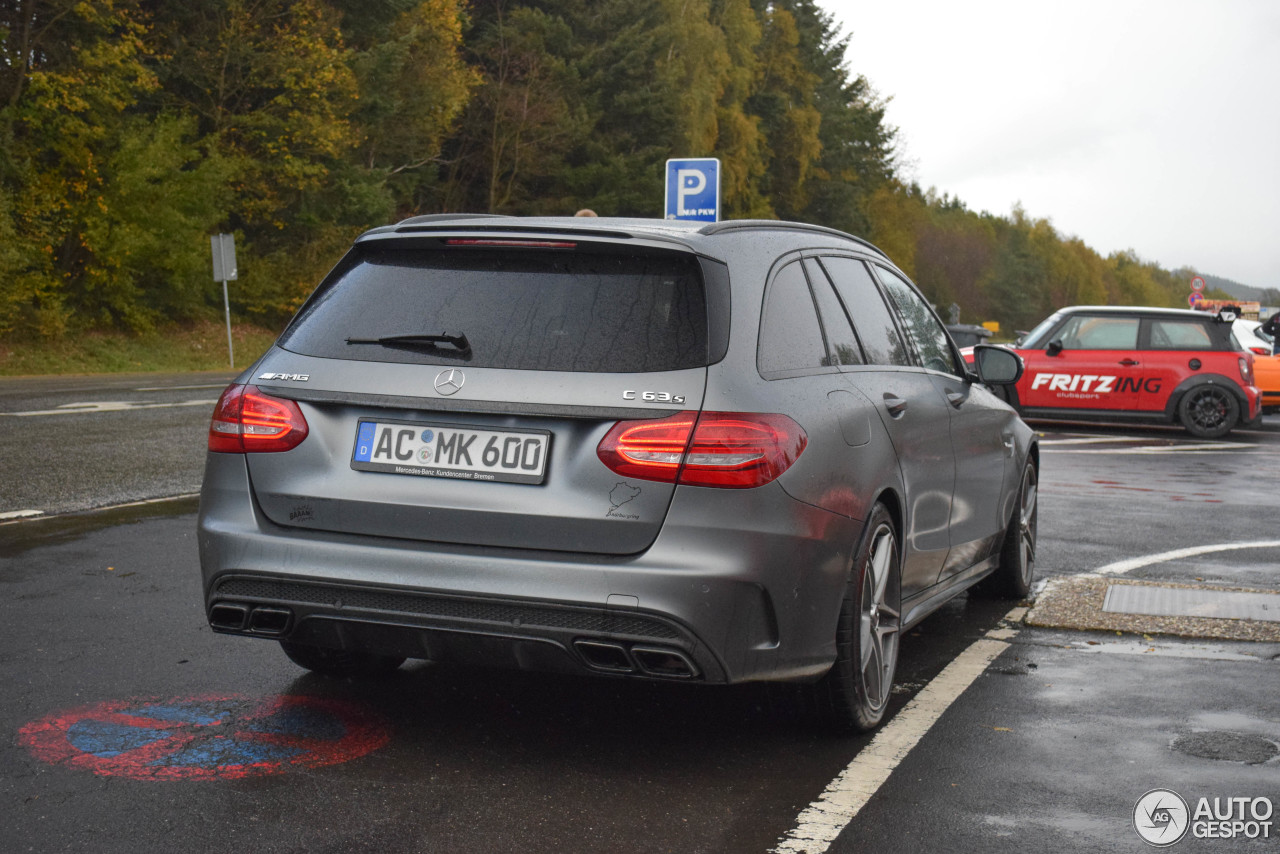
(693, 189)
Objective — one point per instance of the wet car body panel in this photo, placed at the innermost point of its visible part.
(747, 583)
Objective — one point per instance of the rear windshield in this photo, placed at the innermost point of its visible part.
(546, 310)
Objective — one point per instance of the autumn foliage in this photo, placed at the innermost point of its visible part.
(130, 130)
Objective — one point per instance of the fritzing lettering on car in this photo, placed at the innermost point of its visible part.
(1138, 364)
(1086, 383)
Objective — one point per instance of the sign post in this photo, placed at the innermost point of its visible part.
(693, 189)
(224, 270)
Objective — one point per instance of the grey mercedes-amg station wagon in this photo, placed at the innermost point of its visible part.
(706, 452)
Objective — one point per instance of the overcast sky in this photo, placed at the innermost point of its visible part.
(1152, 126)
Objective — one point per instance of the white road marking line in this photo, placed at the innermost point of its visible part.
(1120, 567)
(1093, 440)
(108, 406)
(819, 825)
(1159, 449)
(147, 501)
(20, 514)
(180, 387)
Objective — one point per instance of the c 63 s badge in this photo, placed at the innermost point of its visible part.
(653, 396)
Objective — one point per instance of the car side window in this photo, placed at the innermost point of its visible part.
(1180, 335)
(790, 337)
(922, 326)
(841, 339)
(865, 306)
(1090, 332)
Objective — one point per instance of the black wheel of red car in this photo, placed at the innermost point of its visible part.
(1208, 411)
(854, 694)
(342, 663)
(1013, 578)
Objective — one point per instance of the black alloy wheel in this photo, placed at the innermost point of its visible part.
(1208, 411)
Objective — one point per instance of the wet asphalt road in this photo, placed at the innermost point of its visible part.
(1048, 749)
(105, 440)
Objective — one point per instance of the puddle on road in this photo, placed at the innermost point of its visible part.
(22, 536)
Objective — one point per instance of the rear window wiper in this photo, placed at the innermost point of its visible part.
(430, 342)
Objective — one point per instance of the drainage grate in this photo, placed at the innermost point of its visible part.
(1188, 602)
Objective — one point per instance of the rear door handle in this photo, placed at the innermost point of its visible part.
(894, 404)
(1128, 363)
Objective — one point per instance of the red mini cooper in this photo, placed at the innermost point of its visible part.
(1150, 365)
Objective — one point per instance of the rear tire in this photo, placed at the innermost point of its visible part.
(1012, 579)
(341, 663)
(1208, 411)
(855, 692)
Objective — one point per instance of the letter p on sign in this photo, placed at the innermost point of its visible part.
(693, 189)
(691, 182)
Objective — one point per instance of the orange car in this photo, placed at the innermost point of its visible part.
(1266, 376)
(1266, 367)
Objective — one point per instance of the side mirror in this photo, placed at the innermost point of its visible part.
(997, 365)
(1054, 348)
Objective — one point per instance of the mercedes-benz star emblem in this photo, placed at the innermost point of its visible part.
(450, 381)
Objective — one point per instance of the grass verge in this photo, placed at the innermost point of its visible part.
(198, 347)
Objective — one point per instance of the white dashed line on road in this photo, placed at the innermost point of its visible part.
(180, 387)
(97, 406)
(819, 825)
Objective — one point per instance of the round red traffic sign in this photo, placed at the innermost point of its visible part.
(1197, 284)
(205, 738)
(1194, 298)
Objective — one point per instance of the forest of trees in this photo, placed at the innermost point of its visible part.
(130, 130)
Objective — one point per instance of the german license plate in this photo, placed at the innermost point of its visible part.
(462, 453)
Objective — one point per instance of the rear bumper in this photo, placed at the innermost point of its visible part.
(740, 585)
(1256, 401)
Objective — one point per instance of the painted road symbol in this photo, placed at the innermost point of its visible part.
(205, 738)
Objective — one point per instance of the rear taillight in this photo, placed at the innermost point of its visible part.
(734, 450)
(1260, 351)
(246, 421)
(1246, 369)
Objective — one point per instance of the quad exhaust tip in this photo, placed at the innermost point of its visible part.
(230, 618)
(603, 655)
(270, 621)
(664, 661)
(262, 620)
(657, 661)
